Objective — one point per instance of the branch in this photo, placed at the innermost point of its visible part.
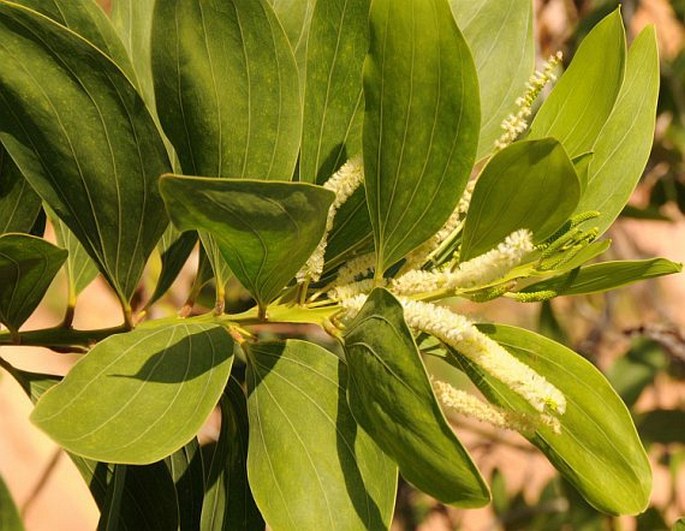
(61, 339)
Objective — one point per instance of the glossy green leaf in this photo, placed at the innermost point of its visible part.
(295, 16)
(149, 378)
(528, 185)
(19, 204)
(623, 146)
(265, 230)
(605, 276)
(583, 98)
(175, 248)
(421, 122)
(333, 104)
(228, 503)
(226, 85)
(500, 35)
(391, 397)
(310, 466)
(598, 449)
(27, 267)
(9, 514)
(81, 270)
(98, 174)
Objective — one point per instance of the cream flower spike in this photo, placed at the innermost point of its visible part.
(358, 266)
(458, 332)
(515, 124)
(343, 183)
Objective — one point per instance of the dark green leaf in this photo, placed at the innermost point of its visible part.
(9, 515)
(598, 449)
(109, 516)
(528, 185)
(265, 230)
(500, 35)
(19, 204)
(81, 270)
(226, 85)
(122, 402)
(333, 105)
(664, 426)
(228, 503)
(391, 397)
(420, 125)
(310, 466)
(633, 372)
(623, 147)
(187, 472)
(97, 168)
(583, 98)
(175, 248)
(27, 267)
(605, 276)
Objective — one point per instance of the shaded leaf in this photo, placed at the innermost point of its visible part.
(500, 36)
(226, 85)
(81, 270)
(333, 104)
(575, 111)
(99, 176)
(27, 267)
(420, 124)
(265, 230)
(151, 378)
(9, 515)
(664, 426)
(391, 397)
(310, 466)
(598, 449)
(19, 204)
(633, 372)
(187, 473)
(528, 185)
(175, 248)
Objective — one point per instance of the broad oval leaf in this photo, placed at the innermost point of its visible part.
(265, 230)
(19, 204)
(575, 111)
(227, 88)
(528, 185)
(598, 449)
(391, 397)
(98, 174)
(137, 397)
(623, 146)
(333, 104)
(421, 122)
(500, 36)
(27, 267)
(605, 276)
(310, 466)
(9, 514)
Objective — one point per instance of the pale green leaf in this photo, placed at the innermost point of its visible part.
(27, 267)
(583, 98)
(528, 185)
(598, 449)
(333, 104)
(97, 168)
(265, 230)
(226, 86)
(421, 122)
(500, 35)
(605, 276)
(295, 16)
(624, 144)
(9, 515)
(310, 466)
(122, 402)
(391, 397)
(19, 204)
(81, 270)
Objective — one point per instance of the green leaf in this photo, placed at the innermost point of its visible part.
(333, 104)
(528, 185)
(663, 426)
(265, 230)
(391, 397)
(679, 525)
(228, 503)
(420, 125)
(624, 145)
(187, 472)
(605, 276)
(81, 270)
(109, 515)
(98, 175)
(500, 36)
(295, 16)
(175, 248)
(598, 449)
(583, 98)
(27, 267)
(226, 85)
(19, 204)
(310, 466)
(636, 370)
(150, 379)
(9, 515)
